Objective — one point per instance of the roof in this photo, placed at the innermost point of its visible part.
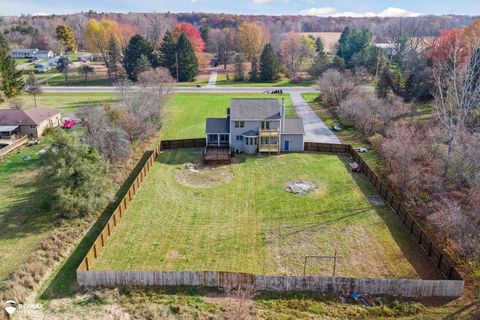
(217, 125)
(24, 50)
(27, 117)
(293, 126)
(250, 133)
(7, 128)
(254, 109)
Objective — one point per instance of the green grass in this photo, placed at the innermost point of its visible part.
(251, 224)
(348, 135)
(65, 102)
(284, 82)
(186, 114)
(24, 216)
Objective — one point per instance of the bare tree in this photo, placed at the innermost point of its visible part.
(336, 86)
(103, 133)
(294, 50)
(457, 94)
(144, 102)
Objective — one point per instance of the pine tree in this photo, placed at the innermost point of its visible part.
(268, 64)
(137, 46)
(320, 64)
(142, 65)
(11, 79)
(239, 64)
(33, 87)
(254, 72)
(168, 50)
(188, 67)
(320, 48)
(114, 56)
(62, 66)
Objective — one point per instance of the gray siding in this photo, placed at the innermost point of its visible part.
(249, 125)
(296, 142)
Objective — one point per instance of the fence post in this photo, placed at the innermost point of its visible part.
(95, 250)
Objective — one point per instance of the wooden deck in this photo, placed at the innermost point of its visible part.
(217, 155)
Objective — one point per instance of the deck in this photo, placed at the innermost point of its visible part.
(216, 155)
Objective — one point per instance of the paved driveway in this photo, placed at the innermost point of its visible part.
(315, 128)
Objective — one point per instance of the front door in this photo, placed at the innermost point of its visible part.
(287, 145)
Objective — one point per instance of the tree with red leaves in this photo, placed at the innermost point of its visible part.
(449, 44)
(195, 37)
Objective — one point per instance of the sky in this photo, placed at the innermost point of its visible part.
(270, 7)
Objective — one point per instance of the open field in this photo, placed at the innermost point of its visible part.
(329, 39)
(244, 221)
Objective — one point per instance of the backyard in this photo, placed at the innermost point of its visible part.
(239, 218)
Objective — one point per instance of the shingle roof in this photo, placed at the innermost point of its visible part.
(250, 133)
(218, 125)
(293, 126)
(254, 109)
(28, 117)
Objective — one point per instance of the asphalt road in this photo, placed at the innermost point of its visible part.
(315, 128)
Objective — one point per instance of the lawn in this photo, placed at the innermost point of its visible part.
(186, 113)
(239, 218)
(24, 216)
(66, 102)
(284, 82)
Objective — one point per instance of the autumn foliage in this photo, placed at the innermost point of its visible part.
(195, 37)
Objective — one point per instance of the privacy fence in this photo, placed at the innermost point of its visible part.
(451, 286)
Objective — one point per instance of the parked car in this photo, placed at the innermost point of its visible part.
(42, 68)
(69, 124)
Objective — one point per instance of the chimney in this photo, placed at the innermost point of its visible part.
(282, 116)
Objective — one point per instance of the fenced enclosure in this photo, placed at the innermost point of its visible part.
(452, 287)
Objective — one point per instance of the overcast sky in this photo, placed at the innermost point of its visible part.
(277, 7)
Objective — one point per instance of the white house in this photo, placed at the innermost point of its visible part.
(31, 53)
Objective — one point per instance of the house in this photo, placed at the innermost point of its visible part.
(30, 122)
(389, 48)
(256, 126)
(31, 53)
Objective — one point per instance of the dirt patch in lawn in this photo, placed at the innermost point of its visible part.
(204, 176)
(174, 254)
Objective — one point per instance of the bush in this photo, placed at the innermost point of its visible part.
(336, 86)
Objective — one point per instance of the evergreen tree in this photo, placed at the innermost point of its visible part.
(239, 64)
(138, 46)
(188, 67)
(114, 56)
(62, 66)
(142, 65)
(33, 87)
(254, 72)
(354, 46)
(320, 48)
(268, 64)
(168, 50)
(11, 79)
(320, 64)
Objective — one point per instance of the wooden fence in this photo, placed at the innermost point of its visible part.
(227, 280)
(452, 287)
(13, 146)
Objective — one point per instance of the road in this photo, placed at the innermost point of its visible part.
(315, 128)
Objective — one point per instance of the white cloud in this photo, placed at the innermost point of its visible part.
(262, 1)
(332, 12)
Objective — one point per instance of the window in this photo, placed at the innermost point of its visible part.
(239, 138)
(246, 141)
(265, 125)
(239, 124)
(212, 138)
(33, 127)
(224, 138)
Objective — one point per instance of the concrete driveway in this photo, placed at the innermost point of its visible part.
(315, 128)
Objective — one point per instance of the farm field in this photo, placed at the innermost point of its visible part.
(329, 39)
(239, 218)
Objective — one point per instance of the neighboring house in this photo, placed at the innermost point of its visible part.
(31, 122)
(32, 53)
(42, 67)
(389, 48)
(256, 126)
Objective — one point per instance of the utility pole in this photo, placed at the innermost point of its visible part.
(176, 62)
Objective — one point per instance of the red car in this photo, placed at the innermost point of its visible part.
(68, 124)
